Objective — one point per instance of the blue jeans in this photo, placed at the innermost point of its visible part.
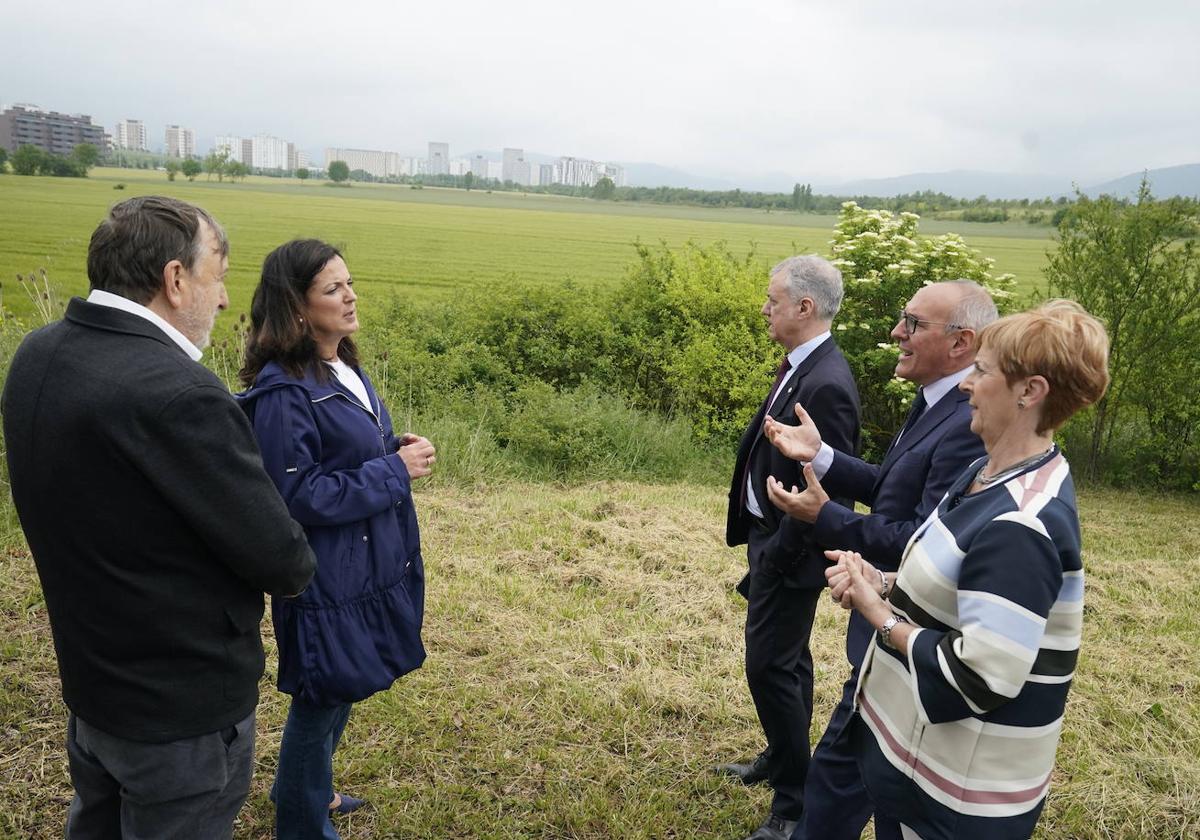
(304, 781)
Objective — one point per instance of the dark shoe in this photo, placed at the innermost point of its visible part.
(751, 773)
(775, 828)
(347, 805)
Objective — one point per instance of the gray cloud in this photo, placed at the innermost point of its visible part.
(817, 90)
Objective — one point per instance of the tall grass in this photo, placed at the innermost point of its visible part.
(585, 672)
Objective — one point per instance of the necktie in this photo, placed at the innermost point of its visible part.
(781, 374)
(914, 413)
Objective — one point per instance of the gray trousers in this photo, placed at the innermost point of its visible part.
(129, 790)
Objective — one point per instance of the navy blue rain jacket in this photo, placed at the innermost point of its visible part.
(357, 627)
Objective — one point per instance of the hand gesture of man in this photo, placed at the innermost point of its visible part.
(800, 443)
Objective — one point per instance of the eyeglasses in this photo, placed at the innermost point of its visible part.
(912, 322)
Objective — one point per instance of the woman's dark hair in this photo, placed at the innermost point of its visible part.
(278, 331)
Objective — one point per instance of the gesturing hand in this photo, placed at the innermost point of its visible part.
(418, 455)
(804, 505)
(800, 443)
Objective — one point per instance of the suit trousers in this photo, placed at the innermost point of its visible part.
(836, 804)
(130, 790)
(779, 671)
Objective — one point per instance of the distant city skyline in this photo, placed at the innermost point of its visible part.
(58, 132)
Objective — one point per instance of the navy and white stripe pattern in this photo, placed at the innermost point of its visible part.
(972, 718)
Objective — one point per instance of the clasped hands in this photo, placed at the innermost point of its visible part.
(800, 443)
(418, 455)
(855, 584)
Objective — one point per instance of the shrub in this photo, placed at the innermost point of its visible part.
(884, 262)
(985, 214)
(521, 384)
(692, 338)
(1136, 267)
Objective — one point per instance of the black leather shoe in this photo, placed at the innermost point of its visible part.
(751, 773)
(775, 828)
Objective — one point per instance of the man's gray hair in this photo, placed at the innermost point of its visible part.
(975, 310)
(813, 277)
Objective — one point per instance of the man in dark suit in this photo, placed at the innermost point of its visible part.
(154, 528)
(786, 569)
(936, 337)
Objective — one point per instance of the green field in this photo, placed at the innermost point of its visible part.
(425, 242)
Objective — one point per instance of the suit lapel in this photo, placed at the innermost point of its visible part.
(930, 420)
(792, 383)
(785, 398)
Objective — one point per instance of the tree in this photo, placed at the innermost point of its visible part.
(802, 197)
(604, 189)
(883, 262)
(191, 168)
(1136, 267)
(86, 155)
(27, 159)
(216, 163)
(3, 158)
(237, 170)
(302, 173)
(61, 167)
(173, 167)
(339, 171)
(469, 180)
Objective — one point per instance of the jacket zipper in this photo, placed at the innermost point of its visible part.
(374, 416)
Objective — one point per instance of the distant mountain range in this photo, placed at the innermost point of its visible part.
(1171, 180)
(960, 183)
(1174, 180)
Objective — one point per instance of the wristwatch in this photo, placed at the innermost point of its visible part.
(885, 632)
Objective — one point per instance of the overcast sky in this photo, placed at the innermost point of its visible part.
(819, 90)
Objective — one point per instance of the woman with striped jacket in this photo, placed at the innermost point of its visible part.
(961, 699)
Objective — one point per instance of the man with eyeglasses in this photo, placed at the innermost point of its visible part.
(936, 338)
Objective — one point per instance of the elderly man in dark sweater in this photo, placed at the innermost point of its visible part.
(154, 528)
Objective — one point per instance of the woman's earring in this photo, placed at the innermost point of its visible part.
(1020, 403)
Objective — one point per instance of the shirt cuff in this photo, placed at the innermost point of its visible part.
(823, 461)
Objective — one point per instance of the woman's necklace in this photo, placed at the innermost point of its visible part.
(1008, 472)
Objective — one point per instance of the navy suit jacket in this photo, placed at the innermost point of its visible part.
(824, 385)
(903, 490)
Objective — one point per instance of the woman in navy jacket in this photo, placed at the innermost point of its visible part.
(327, 443)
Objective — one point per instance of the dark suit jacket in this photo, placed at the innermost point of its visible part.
(823, 384)
(904, 489)
(153, 525)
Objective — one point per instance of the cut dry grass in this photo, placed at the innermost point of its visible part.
(585, 671)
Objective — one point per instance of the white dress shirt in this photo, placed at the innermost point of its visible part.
(102, 298)
(933, 392)
(796, 357)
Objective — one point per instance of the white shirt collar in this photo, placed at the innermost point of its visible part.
(936, 390)
(103, 298)
(803, 351)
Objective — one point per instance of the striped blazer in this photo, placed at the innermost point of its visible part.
(971, 719)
